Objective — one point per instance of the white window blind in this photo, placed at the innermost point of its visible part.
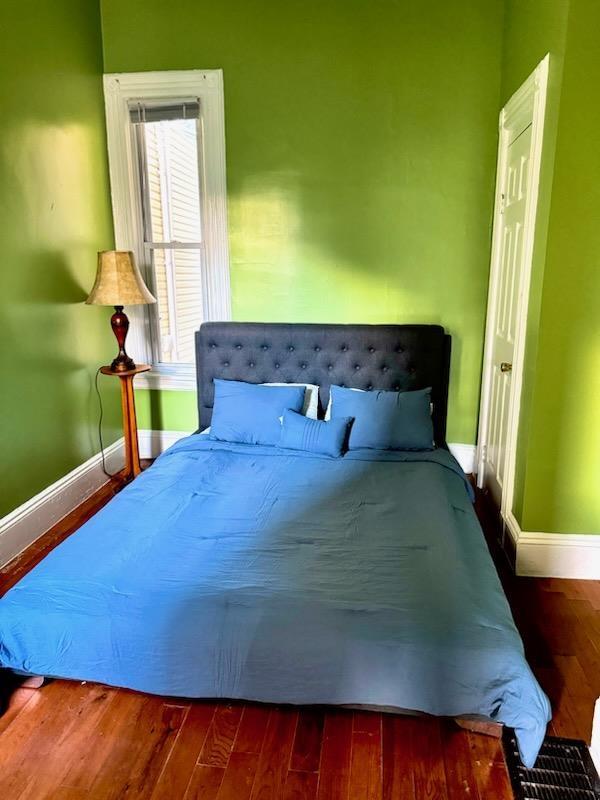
(168, 147)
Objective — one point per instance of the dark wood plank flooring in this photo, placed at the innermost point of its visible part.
(69, 741)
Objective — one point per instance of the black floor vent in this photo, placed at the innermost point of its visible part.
(564, 770)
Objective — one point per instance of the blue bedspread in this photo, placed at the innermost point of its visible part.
(247, 572)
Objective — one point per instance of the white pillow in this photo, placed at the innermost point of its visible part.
(311, 397)
(328, 411)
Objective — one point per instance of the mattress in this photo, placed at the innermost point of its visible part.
(244, 571)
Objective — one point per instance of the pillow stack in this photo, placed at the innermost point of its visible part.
(284, 415)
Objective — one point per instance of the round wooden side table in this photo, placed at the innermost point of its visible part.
(132, 451)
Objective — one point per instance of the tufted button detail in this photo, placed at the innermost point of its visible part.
(303, 365)
(384, 368)
(276, 366)
(399, 349)
(251, 364)
(239, 346)
(317, 349)
(343, 348)
(369, 387)
(291, 348)
(343, 385)
(357, 367)
(330, 367)
(213, 346)
(397, 388)
(371, 349)
(265, 347)
(226, 363)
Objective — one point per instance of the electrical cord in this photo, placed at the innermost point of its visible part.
(101, 417)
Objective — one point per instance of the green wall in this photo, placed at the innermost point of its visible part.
(361, 146)
(558, 460)
(54, 216)
(534, 28)
(562, 481)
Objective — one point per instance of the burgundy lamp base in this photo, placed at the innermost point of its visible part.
(120, 326)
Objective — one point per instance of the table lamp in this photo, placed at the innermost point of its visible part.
(119, 283)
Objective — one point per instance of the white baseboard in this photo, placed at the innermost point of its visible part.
(29, 521)
(153, 443)
(555, 555)
(465, 455)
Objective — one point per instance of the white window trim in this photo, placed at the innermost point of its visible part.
(119, 90)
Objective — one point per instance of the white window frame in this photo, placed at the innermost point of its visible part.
(121, 89)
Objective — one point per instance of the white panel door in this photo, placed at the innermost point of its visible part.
(513, 218)
(517, 180)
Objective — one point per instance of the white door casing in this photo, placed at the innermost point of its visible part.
(517, 183)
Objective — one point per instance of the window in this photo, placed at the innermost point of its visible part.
(167, 168)
(167, 151)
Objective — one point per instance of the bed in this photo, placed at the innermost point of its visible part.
(243, 571)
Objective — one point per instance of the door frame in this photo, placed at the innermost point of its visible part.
(528, 102)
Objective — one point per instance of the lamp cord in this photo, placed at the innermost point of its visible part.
(100, 418)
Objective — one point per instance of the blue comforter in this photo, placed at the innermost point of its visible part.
(248, 572)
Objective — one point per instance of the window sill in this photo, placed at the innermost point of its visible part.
(181, 378)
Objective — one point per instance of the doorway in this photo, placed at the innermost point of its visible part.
(517, 182)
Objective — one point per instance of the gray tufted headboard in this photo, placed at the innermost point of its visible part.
(396, 357)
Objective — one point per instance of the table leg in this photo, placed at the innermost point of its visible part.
(132, 454)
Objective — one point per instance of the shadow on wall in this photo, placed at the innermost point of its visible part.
(360, 191)
(366, 196)
(156, 414)
(49, 281)
(47, 389)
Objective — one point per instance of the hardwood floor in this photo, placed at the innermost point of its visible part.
(69, 741)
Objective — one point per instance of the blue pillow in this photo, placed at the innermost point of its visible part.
(385, 420)
(313, 435)
(249, 413)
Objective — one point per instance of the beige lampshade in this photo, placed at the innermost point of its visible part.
(118, 281)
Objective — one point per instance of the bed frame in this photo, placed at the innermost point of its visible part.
(393, 357)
